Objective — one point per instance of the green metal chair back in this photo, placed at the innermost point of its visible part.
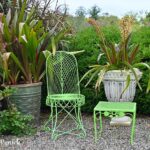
(62, 74)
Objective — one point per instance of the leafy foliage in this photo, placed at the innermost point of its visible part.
(94, 12)
(5, 5)
(82, 41)
(6, 92)
(24, 40)
(119, 56)
(13, 122)
(80, 12)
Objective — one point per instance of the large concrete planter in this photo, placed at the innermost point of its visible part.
(115, 82)
(27, 99)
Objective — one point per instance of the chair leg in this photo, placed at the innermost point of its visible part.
(80, 122)
(56, 123)
(133, 127)
(49, 120)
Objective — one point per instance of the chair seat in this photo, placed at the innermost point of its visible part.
(79, 98)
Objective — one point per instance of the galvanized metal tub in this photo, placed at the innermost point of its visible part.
(27, 99)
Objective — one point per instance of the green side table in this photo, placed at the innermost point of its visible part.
(114, 109)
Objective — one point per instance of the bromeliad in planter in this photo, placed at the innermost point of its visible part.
(24, 40)
(119, 74)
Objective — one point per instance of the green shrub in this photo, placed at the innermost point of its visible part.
(87, 40)
(142, 36)
(13, 122)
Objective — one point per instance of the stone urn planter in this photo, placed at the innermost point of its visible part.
(115, 82)
(27, 99)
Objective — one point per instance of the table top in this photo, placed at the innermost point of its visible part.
(116, 106)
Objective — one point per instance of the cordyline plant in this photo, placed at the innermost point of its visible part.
(24, 40)
(119, 56)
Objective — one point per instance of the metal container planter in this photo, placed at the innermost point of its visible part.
(27, 99)
(115, 82)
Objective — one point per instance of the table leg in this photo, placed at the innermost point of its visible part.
(133, 127)
(95, 127)
(100, 119)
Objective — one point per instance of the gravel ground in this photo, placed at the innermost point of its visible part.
(113, 138)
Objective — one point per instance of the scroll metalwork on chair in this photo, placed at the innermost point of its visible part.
(64, 96)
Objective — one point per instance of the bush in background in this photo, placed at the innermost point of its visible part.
(88, 41)
(142, 36)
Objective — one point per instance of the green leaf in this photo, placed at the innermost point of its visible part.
(114, 54)
(30, 15)
(105, 50)
(100, 77)
(87, 73)
(47, 53)
(14, 21)
(75, 52)
(133, 54)
(22, 11)
(148, 86)
(148, 67)
(61, 34)
(6, 32)
(53, 45)
(93, 75)
(142, 64)
(128, 79)
(136, 78)
(21, 28)
(16, 60)
(8, 17)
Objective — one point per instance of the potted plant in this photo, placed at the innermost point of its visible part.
(120, 74)
(24, 40)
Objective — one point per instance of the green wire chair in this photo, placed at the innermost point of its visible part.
(64, 96)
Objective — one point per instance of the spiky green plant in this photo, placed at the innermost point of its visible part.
(119, 56)
(24, 40)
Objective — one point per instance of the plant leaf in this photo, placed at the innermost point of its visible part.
(8, 17)
(93, 75)
(87, 73)
(148, 67)
(114, 55)
(47, 53)
(136, 78)
(133, 54)
(53, 46)
(101, 75)
(128, 79)
(76, 52)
